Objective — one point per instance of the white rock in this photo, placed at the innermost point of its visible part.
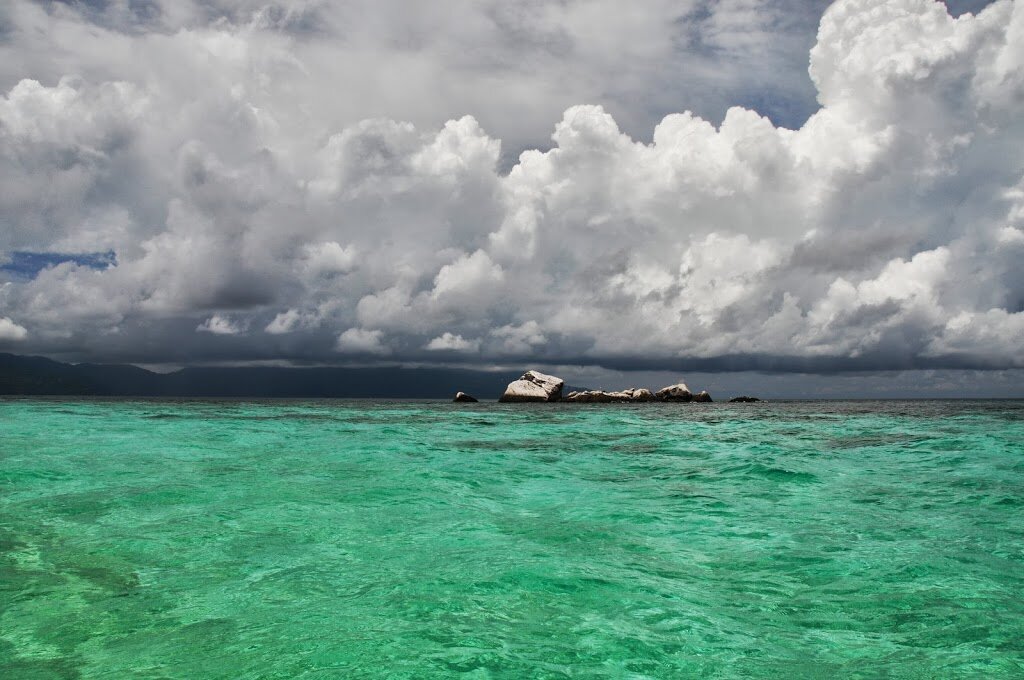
(534, 386)
(602, 397)
(677, 392)
(639, 394)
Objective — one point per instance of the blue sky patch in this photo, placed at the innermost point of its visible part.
(26, 265)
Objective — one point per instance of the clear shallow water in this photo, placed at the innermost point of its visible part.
(349, 539)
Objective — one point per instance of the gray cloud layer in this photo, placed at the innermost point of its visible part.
(248, 166)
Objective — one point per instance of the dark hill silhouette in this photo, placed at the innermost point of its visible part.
(27, 375)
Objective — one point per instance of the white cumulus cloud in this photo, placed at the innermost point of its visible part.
(450, 342)
(441, 201)
(219, 325)
(361, 341)
(11, 331)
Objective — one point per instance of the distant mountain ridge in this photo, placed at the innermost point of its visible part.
(32, 375)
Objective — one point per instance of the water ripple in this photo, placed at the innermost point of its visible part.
(181, 539)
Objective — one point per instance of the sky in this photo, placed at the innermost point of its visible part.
(794, 196)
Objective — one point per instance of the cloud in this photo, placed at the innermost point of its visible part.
(982, 335)
(219, 325)
(361, 341)
(468, 282)
(882, 229)
(290, 321)
(518, 339)
(454, 343)
(10, 331)
(328, 259)
(514, 67)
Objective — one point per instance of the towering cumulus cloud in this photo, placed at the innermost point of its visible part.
(245, 223)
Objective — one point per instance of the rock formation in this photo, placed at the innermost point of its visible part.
(639, 394)
(677, 392)
(743, 400)
(588, 397)
(463, 397)
(634, 394)
(534, 386)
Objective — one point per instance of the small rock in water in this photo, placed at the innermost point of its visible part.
(703, 397)
(743, 400)
(463, 397)
(677, 392)
(534, 386)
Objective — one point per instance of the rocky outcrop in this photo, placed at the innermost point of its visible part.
(633, 394)
(743, 400)
(534, 386)
(465, 398)
(639, 394)
(588, 397)
(677, 392)
(595, 397)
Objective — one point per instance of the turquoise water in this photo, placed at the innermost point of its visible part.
(349, 539)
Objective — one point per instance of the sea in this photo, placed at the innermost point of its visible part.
(201, 539)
